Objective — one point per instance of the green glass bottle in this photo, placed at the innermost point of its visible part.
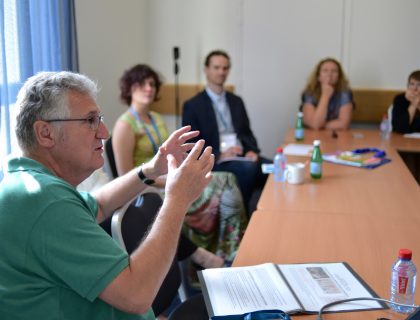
(299, 132)
(316, 161)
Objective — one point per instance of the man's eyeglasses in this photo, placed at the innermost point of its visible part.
(93, 121)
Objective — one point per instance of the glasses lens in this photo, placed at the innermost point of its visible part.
(94, 122)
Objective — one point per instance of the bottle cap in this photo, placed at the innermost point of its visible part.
(405, 254)
(317, 142)
(300, 114)
(279, 150)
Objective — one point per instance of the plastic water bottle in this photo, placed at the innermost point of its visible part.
(316, 161)
(385, 128)
(403, 281)
(299, 132)
(279, 165)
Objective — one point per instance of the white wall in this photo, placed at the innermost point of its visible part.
(196, 27)
(282, 43)
(274, 44)
(383, 45)
(111, 38)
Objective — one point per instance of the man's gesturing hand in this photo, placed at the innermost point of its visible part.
(176, 145)
(186, 181)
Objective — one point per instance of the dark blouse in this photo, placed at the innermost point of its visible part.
(401, 117)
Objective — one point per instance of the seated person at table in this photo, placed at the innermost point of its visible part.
(217, 220)
(327, 101)
(406, 107)
(57, 262)
(220, 116)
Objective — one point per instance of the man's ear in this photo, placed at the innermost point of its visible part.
(44, 134)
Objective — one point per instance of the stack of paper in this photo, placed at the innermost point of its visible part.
(415, 135)
(294, 149)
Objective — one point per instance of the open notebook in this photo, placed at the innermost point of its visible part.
(292, 288)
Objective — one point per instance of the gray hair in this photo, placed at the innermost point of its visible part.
(45, 96)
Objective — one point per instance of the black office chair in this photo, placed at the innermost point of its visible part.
(128, 227)
(109, 152)
(193, 308)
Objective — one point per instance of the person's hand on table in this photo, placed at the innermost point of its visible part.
(251, 155)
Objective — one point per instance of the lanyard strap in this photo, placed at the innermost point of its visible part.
(221, 118)
(148, 133)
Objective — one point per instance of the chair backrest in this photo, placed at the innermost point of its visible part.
(390, 116)
(130, 223)
(129, 226)
(193, 308)
(109, 152)
(372, 104)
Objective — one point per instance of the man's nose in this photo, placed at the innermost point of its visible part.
(102, 132)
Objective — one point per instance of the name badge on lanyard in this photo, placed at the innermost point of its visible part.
(228, 140)
(148, 133)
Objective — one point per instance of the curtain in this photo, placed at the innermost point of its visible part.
(35, 35)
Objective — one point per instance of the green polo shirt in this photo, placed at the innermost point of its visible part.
(54, 258)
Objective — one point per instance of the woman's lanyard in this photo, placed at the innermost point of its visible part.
(149, 135)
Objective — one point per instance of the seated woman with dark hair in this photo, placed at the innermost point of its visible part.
(217, 220)
(406, 107)
(327, 101)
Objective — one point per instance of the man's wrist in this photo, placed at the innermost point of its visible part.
(144, 177)
(176, 203)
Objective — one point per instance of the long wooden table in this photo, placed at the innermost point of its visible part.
(386, 190)
(355, 215)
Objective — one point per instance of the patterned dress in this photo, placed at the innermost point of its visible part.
(217, 220)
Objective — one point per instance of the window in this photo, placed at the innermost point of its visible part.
(37, 35)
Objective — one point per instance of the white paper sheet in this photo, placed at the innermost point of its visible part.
(247, 289)
(415, 135)
(295, 149)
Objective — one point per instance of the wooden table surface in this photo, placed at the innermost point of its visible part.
(362, 137)
(355, 215)
(387, 190)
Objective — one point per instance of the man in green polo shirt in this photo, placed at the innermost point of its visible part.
(56, 262)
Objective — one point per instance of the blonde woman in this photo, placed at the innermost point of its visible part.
(327, 101)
